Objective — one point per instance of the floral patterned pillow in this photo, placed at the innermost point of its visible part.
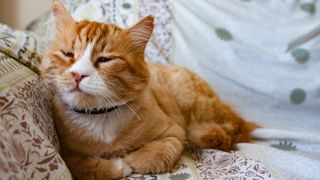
(29, 144)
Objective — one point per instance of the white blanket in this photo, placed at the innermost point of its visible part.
(261, 56)
(287, 154)
(247, 50)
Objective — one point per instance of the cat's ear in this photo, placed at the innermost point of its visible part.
(63, 19)
(141, 32)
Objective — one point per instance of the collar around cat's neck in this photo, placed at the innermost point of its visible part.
(95, 110)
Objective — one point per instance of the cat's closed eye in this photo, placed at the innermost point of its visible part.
(104, 59)
(67, 53)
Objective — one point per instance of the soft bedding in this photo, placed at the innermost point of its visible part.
(29, 145)
(260, 55)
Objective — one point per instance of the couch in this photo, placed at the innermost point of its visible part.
(260, 56)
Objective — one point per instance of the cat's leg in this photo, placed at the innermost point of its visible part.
(85, 167)
(210, 122)
(156, 157)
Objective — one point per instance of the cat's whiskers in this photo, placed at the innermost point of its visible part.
(122, 101)
(105, 99)
(126, 103)
(113, 104)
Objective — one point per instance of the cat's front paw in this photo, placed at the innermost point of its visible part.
(122, 166)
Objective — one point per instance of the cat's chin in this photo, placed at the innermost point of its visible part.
(79, 91)
(81, 99)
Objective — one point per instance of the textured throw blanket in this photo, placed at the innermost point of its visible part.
(262, 56)
(287, 154)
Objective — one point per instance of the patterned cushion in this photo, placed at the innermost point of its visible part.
(28, 144)
(20, 46)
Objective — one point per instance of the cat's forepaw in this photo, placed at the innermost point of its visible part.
(123, 166)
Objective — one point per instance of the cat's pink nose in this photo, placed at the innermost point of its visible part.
(78, 77)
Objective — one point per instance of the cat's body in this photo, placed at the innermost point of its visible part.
(153, 110)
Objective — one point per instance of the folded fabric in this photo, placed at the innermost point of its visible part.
(287, 154)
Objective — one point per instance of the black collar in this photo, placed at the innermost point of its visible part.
(95, 110)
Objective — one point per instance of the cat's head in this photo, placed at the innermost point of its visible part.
(91, 64)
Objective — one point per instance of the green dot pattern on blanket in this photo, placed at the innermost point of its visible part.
(297, 96)
(223, 34)
(301, 55)
(308, 7)
(285, 145)
(126, 5)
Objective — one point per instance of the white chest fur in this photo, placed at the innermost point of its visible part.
(103, 127)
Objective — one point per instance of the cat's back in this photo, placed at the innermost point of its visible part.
(167, 73)
(181, 84)
(170, 76)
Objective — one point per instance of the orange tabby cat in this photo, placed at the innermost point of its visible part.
(116, 114)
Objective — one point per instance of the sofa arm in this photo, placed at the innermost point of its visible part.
(29, 144)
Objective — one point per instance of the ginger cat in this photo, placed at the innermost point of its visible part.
(117, 114)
